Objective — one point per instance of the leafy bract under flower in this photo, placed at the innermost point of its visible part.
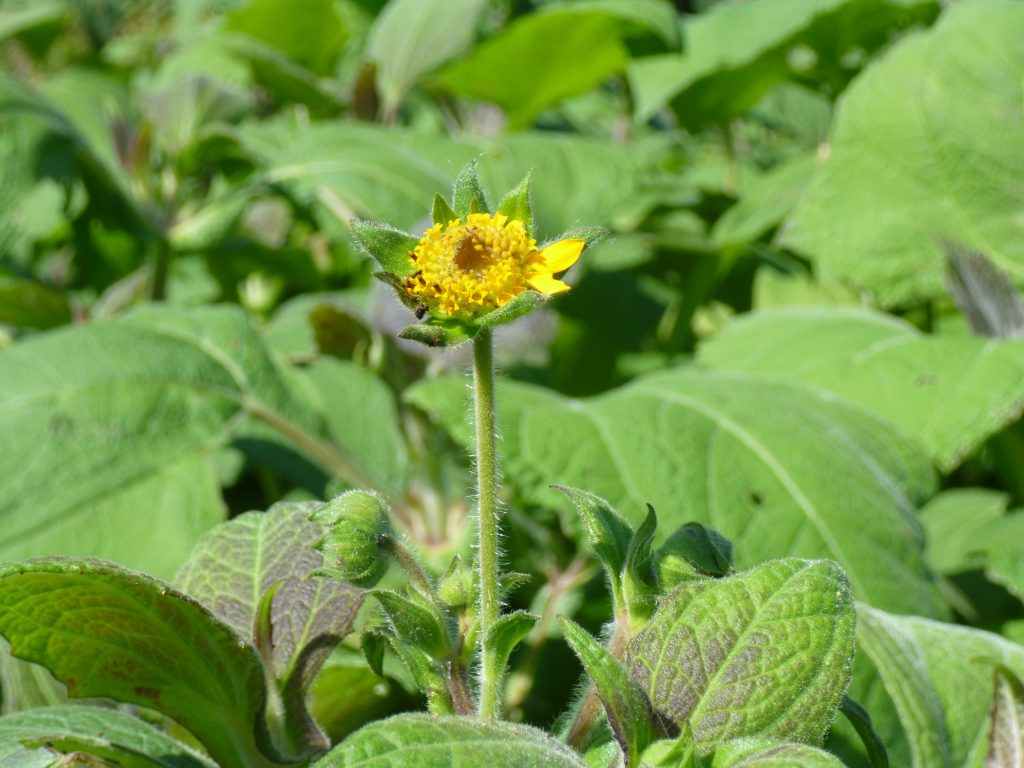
(467, 269)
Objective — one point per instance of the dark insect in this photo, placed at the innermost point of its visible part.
(421, 310)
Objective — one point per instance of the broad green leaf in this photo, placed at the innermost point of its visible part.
(312, 35)
(764, 753)
(105, 733)
(921, 154)
(236, 564)
(657, 16)
(952, 521)
(733, 451)
(110, 428)
(766, 653)
(538, 60)
(736, 52)
(940, 679)
(362, 419)
(106, 631)
(950, 393)
(1006, 740)
(626, 704)
(411, 38)
(426, 741)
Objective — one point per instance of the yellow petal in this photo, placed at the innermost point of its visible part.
(545, 283)
(559, 256)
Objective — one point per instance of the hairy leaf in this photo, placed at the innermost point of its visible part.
(106, 631)
(951, 393)
(767, 652)
(734, 451)
(426, 741)
(1006, 740)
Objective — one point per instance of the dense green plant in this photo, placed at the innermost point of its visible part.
(745, 495)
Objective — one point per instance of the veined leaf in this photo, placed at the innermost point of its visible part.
(236, 564)
(940, 679)
(100, 420)
(733, 451)
(949, 393)
(921, 155)
(764, 753)
(426, 741)
(765, 653)
(105, 733)
(106, 631)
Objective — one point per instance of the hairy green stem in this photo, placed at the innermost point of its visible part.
(487, 492)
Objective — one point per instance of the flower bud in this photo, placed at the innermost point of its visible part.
(355, 522)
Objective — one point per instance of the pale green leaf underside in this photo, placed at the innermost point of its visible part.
(1006, 742)
(427, 741)
(106, 733)
(928, 144)
(234, 565)
(108, 632)
(743, 454)
(950, 393)
(109, 427)
(759, 753)
(765, 653)
(940, 679)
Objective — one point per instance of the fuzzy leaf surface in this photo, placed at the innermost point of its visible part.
(426, 741)
(106, 631)
(950, 393)
(120, 419)
(734, 451)
(106, 733)
(766, 653)
(920, 154)
(235, 564)
(1006, 741)
(940, 678)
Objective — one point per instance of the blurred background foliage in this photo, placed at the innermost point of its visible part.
(815, 251)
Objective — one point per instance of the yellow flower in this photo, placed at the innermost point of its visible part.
(468, 269)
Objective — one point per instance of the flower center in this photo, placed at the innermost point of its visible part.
(466, 269)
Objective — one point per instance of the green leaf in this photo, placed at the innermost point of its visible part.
(920, 154)
(693, 551)
(106, 631)
(861, 722)
(736, 53)
(236, 565)
(626, 704)
(411, 38)
(767, 652)
(414, 623)
(121, 418)
(764, 753)
(657, 16)
(442, 213)
(105, 733)
(30, 304)
(538, 60)
(950, 393)
(518, 205)
(425, 741)
(507, 632)
(954, 523)
(373, 645)
(730, 451)
(313, 36)
(940, 679)
(1006, 740)
(362, 419)
(386, 245)
(467, 195)
(984, 294)
(638, 582)
(608, 534)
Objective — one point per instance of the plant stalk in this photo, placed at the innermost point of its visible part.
(487, 493)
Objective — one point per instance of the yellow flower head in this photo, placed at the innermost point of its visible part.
(467, 269)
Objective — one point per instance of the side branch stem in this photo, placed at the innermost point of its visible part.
(487, 492)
